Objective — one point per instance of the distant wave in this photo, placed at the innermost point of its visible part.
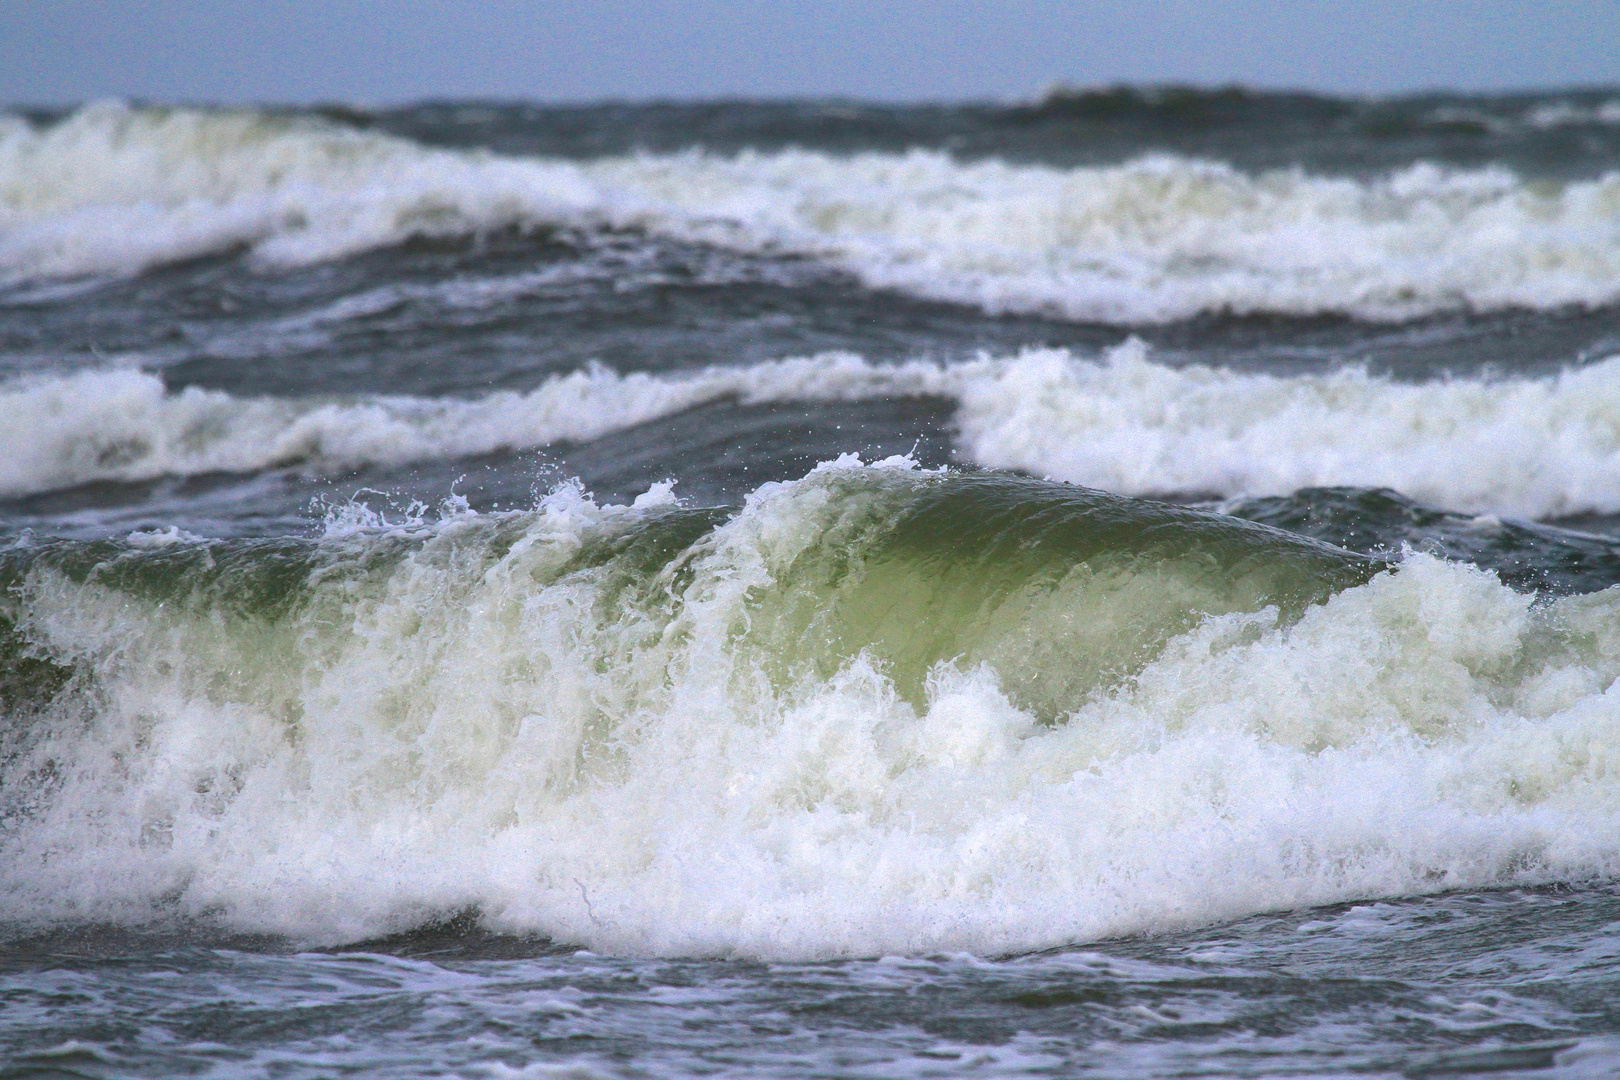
(114, 190)
(1543, 116)
(123, 425)
(1523, 446)
(1172, 107)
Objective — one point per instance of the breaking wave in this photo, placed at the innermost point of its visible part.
(875, 710)
(1530, 447)
(114, 189)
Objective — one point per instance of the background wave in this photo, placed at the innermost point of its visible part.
(1530, 447)
(113, 190)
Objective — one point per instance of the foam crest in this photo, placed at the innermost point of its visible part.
(123, 425)
(559, 717)
(114, 190)
(1530, 447)
(1569, 114)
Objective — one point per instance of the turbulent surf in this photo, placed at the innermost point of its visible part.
(1114, 583)
(112, 189)
(884, 710)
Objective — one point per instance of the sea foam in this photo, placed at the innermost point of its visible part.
(114, 189)
(482, 712)
(1529, 447)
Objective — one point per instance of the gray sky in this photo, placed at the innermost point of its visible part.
(383, 51)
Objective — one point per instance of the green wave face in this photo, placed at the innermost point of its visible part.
(1061, 590)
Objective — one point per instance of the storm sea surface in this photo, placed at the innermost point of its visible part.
(1118, 585)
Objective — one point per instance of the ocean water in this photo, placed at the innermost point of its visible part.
(1122, 585)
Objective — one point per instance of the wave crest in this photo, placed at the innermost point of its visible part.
(114, 190)
(1529, 447)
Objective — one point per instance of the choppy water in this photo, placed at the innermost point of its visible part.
(1121, 585)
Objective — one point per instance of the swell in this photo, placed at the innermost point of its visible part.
(113, 190)
(1531, 447)
(874, 710)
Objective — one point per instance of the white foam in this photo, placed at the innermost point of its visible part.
(484, 725)
(114, 189)
(121, 425)
(1527, 447)
(1565, 113)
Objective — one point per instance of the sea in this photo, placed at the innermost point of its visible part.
(1119, 584)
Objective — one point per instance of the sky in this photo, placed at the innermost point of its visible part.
(376, 52)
